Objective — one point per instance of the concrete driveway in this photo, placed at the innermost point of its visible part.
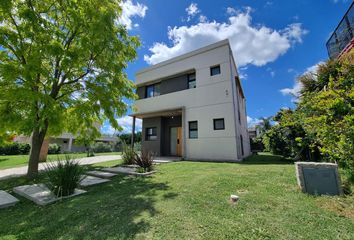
(21, 171)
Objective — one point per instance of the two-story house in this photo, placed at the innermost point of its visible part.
(193, 106)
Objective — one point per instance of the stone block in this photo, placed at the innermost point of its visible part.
(318, 178)
(91, 180)
(101, 174)
(7, 200)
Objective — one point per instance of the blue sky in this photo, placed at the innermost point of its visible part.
(273, 41)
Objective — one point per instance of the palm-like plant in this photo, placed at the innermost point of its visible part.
(264, 124)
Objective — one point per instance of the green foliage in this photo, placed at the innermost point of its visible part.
(101, 147)
(322, 125)
(14, 148)
(144, 160)
(264, 125)
(53, 148)
(64, 176)
(127, 137)
(128, 155)
(62, 66)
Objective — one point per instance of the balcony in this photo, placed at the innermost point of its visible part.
(342, 38)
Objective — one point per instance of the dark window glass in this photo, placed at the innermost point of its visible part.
(219, 124)
(242, 150)
(193, 129)
(151, 133)
(191, 81)
(153, 90)
(215, 70)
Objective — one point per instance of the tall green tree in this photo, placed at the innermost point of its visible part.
(62, 67)
(264, 124)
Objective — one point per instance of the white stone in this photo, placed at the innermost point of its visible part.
(91, 180)
(40, 193)
(127, 170)
(7, 200)
(234, 198)
(101, 174)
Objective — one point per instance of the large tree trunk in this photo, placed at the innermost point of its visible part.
(36, 145)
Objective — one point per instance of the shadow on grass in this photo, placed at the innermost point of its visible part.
(117, 210)
(265, 158)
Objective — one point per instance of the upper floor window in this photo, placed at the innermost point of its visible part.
(193, 129)
(215, 70)
(153, 90)
(151, 133)
(219, 124)
(191, 80)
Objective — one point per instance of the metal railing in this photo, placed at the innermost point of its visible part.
(342, 35)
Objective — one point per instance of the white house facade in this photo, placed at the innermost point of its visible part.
(193, 106)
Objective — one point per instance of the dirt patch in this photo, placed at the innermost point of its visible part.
(343, 206)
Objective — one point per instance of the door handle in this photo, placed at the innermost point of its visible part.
(177, 141)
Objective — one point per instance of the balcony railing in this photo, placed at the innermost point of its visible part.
(343, 34)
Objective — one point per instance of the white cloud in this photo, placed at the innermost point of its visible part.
(295, 90)
(192, 9)
(251, 122)
(231, 11)
(257, 45)
(203, 19)
(130, 10)
(126, 123)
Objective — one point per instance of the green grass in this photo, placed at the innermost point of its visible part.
(7, 161)
(188, 200)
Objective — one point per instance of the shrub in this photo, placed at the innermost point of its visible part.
(14, 148)
(64, 176)
(54, 148)
(101, 147)
(144, 160)
(128, 155)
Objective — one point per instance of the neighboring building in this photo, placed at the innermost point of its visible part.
(67, 142)
(193, 106)
(253, 132)
(342, 39)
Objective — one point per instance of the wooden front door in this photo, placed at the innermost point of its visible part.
(176, 141)
(179, 141)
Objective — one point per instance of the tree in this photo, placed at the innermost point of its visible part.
(264, 124)
(127, 137)
(62, 67)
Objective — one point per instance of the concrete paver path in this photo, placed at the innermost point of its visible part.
(20, 171)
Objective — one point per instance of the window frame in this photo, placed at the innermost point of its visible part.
(192, 80)
(154, 93)
(219, 119)
(215, 67)
(148, 135)
(192, 129)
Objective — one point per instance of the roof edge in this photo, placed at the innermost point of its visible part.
(184, 56)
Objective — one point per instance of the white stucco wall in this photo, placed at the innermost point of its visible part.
(212, 98)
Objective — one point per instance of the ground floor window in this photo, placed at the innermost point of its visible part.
(193, 129)
(151, 133)
(242, 150)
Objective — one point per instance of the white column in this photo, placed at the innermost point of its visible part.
(70, 144)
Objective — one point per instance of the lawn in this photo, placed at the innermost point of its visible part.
(188, 200)
(7, 161)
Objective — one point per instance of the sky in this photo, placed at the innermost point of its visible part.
(273, 42)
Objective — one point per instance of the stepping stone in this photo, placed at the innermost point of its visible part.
(40, 193)
(7, 200)
(101, 174)
(125, 170)
(90, 180)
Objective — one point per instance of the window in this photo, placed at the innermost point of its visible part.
(193, 129)
(242, 150)
(191, 81)
(215, 70)
(219, 124)
(151, 133)
(153, 90)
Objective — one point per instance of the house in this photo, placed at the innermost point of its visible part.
(253, 132)
(193, 106)
(67, 142)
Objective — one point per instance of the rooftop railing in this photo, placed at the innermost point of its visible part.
(342, 35)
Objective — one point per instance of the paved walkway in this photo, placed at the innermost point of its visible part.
(20, 171)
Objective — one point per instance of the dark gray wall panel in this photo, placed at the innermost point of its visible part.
(152, 145)
(140, 91)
